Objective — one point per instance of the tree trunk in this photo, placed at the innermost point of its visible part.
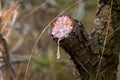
(94, 58)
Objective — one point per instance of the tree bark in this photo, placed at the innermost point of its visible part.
(82, 50)
(86, 50)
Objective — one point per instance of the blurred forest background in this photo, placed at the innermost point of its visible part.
(33, 16)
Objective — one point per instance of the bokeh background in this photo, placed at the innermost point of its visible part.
(33, 17)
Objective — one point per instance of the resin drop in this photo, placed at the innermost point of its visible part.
(58, 49)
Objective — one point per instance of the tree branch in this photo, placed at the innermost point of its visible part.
(86, 50)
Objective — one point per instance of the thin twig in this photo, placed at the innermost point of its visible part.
(5, 54)
(14, 59)
(20, 40)
(114, 31)
(105, 41)
(33, 11)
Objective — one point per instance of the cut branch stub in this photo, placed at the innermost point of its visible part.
(74, 39)
(62, 26)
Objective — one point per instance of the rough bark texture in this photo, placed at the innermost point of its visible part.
(85, 50)
(112, 48)
(82, 50)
